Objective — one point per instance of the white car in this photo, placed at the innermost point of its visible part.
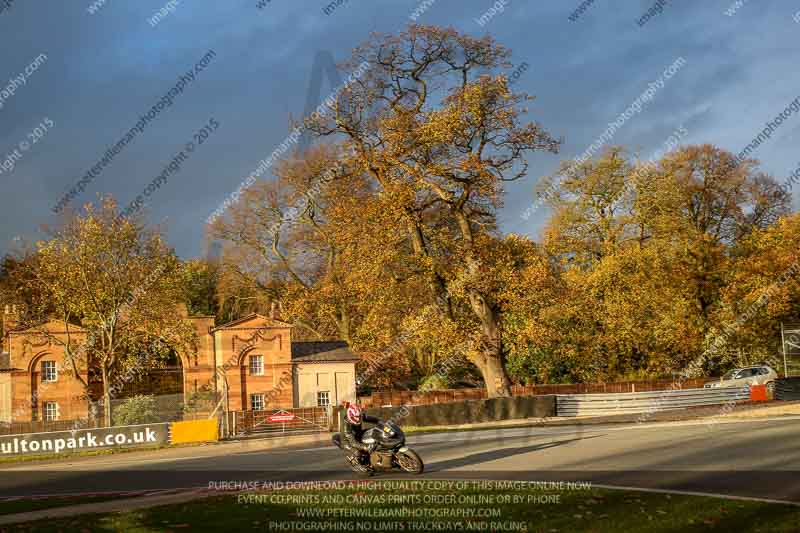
(751, 375)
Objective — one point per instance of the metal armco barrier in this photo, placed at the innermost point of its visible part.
(787, 389)
(646, 402)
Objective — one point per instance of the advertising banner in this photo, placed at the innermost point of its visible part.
(85, 439)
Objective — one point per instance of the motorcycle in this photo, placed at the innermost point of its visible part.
(391, 451)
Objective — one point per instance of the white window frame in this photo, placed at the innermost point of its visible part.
(253, 402)
(47, 416)
(327, 398)
(45, 375)
(259, 368)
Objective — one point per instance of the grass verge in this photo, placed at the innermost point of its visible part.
(72, 455)
(35, 504)
(444, 506)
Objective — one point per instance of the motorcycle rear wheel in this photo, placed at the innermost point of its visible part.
(410, 462)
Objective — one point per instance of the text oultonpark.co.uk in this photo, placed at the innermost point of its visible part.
(87, 441)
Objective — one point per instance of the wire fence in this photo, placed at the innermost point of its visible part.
(137, 409)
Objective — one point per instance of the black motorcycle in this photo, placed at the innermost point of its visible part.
(391, 452)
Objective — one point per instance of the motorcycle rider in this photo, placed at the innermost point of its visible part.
(353, 431)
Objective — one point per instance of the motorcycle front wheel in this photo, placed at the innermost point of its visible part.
(410, 462)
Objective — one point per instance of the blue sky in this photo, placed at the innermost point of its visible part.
(104, 70)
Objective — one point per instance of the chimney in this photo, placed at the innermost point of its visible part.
(274, 314)
(10, 322)
(10, 318)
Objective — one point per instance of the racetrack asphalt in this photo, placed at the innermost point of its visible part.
(747, 458)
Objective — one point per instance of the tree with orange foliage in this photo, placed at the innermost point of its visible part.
(439, 140)
(647, 254)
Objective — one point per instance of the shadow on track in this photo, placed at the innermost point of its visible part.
(502, 453)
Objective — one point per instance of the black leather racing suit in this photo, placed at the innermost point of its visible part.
(351, 435)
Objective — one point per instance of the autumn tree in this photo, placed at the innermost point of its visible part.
(527, 286)
(322, 244)
(439, 139)
(591, 206)
(763, 291)
(207, 292)
(283, 243)
(16, 284)
(647, 252)
(622, 311)
(700, 202)
(118, 281)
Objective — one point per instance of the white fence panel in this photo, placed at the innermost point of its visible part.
(645, 402)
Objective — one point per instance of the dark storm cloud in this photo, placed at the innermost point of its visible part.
(104, 68)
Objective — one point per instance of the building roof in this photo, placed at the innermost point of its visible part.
(261, 321)
(322, 352)
(52, 326)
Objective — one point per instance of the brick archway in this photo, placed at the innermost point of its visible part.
(241, 379)
(34, 384)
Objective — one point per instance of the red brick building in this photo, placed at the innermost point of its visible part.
(252, 362)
